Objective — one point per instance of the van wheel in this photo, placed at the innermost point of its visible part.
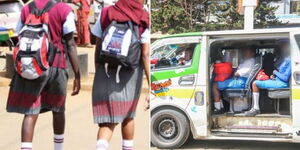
(170, 128)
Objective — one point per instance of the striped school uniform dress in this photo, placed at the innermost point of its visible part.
(47, 93)
(113, 102)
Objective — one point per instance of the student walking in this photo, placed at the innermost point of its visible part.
(40, 82)
(119, 68)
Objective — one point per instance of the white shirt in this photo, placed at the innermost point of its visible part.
(97, 31)
(245, 67)
(68, 26)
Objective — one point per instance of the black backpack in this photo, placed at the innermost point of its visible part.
(121, 47)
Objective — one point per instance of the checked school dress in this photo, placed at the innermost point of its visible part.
(47, 92)
(113, 102)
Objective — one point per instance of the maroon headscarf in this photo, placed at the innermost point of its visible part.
(129, 10)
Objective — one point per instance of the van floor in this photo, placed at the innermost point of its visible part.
(260, 125)
(259, 115)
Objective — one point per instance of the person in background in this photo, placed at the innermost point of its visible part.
(279, 79)
(83, 32)
(238, 81)
(113, 102)
(32, 97)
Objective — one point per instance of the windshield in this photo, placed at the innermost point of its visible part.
(172, 55)
(166, 51)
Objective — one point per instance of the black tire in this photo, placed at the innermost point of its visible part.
(169, 128)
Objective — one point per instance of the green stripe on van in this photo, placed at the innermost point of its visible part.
(183, 35)
(167, 74)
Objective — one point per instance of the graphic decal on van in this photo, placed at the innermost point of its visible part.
(161, 88)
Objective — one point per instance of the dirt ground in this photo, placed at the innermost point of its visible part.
(80, 130)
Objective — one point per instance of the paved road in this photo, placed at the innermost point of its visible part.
(80, 130)
(236, 145)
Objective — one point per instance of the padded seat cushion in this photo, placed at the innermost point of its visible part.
(281, 93)
(235, 92)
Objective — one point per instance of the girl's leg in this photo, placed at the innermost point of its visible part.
(104, 135)
(28, 125)
(216, 92)
(255, 96)
(218, 103)
(58, 128)
(128, 133)
(255, 101)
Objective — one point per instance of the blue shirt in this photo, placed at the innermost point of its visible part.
(284, 70)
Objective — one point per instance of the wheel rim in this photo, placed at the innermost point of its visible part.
(167, 128)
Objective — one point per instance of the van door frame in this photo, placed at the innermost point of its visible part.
(198, 111)
(295, 88)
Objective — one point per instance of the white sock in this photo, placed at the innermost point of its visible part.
(217, 105)
(26, 146)
(255, 99)
(221, 102)
(58, 141)
(127, 145)
(102, 145)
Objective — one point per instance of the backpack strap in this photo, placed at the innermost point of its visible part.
(134, 28)
(34, 10)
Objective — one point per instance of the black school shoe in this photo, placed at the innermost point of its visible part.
(252, 112)
(219, 111)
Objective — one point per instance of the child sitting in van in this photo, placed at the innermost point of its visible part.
(279, 79)
(237, 81)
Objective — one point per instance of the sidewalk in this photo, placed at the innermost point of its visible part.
(80, 130)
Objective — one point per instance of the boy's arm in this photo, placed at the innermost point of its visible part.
(72, 53)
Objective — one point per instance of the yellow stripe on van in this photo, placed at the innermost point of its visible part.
(296, 94)
(178, 93)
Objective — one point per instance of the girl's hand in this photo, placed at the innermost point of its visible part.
(272, 77)
(147, 102)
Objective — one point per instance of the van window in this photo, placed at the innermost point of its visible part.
(173, 55)
(231, 55)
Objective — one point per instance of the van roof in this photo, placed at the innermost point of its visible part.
(234, 32)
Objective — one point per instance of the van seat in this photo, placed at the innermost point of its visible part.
(278, 95)
(232, 93)
(282, 93)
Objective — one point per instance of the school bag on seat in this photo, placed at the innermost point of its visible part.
(223, 71)
(34, 54)
(121, 47)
